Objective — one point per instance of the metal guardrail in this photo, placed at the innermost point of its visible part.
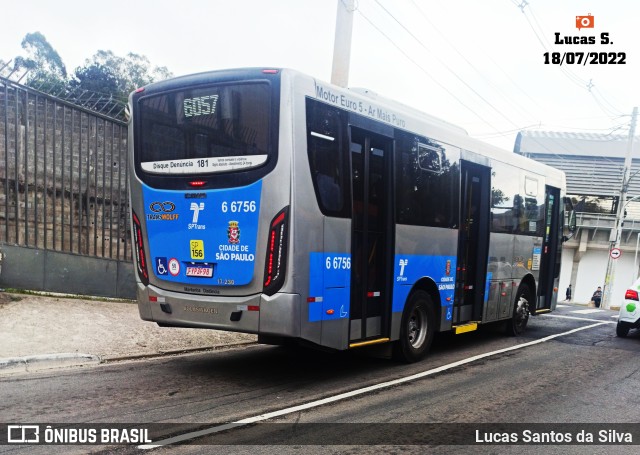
(597, 221)
(585, 219)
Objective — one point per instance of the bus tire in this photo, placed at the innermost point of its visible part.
(518, 322)
(417, 328)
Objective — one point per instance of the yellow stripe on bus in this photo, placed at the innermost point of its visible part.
(469, 327)
(367, 343)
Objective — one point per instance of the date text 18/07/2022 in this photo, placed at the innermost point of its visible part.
(584, 58)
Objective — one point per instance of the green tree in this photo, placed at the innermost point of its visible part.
(103, 83)
(45, 68)
(96, 78)
(108, 73)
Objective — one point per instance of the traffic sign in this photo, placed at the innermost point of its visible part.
(615, 253)
(174, 267)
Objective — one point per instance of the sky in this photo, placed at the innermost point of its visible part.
(477, 64)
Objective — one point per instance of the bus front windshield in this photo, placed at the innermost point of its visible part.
(218, 128)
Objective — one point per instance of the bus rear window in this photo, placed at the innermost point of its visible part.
(204, 130)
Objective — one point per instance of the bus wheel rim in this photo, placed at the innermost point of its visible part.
(522, 311)
(417, 327)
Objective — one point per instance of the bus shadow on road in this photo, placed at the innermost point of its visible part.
(267, 364)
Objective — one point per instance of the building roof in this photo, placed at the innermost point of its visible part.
(593, 163)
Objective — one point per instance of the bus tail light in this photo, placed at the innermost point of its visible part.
(276, 258)
(631, 295)
(141, 260)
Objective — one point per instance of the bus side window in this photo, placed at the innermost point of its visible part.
(533, 222)
(330, 192)
(327, 158)
(427, 176)
(506, 203)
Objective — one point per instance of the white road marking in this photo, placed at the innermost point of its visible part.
(576, 318)
(589, 311)
(353, 393)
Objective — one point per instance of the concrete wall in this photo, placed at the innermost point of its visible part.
(565, 273)
(52, 271)
(584, 264)
(592, 271)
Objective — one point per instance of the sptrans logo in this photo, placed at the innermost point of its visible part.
(585, 22)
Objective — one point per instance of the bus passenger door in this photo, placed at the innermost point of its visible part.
(473, 243)
(372, 235)
(549, 256)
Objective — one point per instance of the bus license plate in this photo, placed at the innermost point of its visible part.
(200, 271)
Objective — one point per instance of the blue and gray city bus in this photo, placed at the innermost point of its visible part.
(268, 202)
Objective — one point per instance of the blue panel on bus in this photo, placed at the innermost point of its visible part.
(203, 237)
(408, 269)
(329, 286)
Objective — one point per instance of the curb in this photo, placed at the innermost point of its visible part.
(50, 361)
(45, 361)
(612, 307)
(152, 355)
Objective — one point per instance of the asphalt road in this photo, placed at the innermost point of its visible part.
(568, 368)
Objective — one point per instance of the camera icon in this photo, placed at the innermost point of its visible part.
(584, 21)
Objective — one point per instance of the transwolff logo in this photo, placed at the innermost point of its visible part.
(162, 211)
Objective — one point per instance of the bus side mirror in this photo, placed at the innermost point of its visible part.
(570, 223)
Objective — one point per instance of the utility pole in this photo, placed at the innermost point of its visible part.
(616, 235)
(342, 43)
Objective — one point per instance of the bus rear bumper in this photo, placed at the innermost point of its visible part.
(258, 313)
(280, 314)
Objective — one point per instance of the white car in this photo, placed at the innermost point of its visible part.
(629, 317)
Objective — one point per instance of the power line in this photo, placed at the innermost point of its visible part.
(596, 91)
(569, 74)
(487, 80)
(602, 102)
(506, 132)
(359, 11)
(454, 73)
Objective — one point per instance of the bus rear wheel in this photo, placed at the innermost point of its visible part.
(518, 322)
(417, 328)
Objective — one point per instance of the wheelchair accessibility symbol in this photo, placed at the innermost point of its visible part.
(161, 266)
